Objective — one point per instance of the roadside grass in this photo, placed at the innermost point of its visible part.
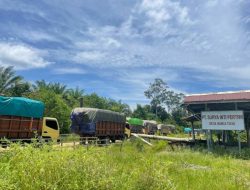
(135, 166)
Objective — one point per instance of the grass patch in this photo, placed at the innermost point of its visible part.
(135, 166)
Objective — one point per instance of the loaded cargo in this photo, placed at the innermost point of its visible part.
(165, 129)
(22, 118)
(150, 127)
(98, 123)
(136, 125)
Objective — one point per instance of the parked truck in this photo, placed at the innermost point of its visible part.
(165, 129)
(150, 127)
(136, 125)
(103, 124)
(22, 119)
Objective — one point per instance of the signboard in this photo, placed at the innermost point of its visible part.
(223, 120)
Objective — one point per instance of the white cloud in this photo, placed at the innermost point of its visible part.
(101, 43)
(161, 17)
(21, 56)
(86, 56)
(160, 11)
(68, 70)
(37, 36)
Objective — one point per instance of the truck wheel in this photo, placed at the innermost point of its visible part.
(4, 144)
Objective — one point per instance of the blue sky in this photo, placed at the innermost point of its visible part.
(116, 48)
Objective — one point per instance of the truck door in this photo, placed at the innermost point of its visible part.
(50, 128)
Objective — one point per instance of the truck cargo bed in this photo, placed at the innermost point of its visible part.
(108, 128)
(16, 127)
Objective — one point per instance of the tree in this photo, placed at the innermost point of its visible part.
(160, 95)
(95, 101)
(57, 88)
(73, 96)
(40, 85)
(118, 106)
(140, 112)
(173, 100)
(55, 106)
(21, 89)
(157, 92)
(161, 113)
(178, 115)
(8, 79)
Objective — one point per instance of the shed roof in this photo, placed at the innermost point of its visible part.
(218, 97)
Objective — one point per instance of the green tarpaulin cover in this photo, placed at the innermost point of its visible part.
(135, 122)
(18, 106)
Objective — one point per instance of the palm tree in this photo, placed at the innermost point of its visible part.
(73, 96)
(40, 84)
(57, 88)
(76, 93)
(8, 79)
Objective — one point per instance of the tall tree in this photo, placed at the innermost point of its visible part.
(57, 87)
(8, 79)
(173, 100)
(22, 89)
(160, 95)
(140, 112)
(157, 93)
(118, 106)
(40, 84)
(73, 96)
(75, 93)
(95, 101)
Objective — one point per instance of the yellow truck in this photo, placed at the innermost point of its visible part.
(22, 119)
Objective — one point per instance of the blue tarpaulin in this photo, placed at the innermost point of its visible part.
(80, 126)
(19, 106)
(187, 130)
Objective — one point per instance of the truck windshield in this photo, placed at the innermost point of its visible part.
(52, 124)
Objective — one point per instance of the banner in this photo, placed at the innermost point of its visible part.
(223, 120)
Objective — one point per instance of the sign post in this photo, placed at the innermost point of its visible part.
(223, 120)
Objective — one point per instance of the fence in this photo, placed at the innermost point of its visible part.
(65, 140)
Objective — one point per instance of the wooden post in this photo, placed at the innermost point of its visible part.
(248, 136)
(248, 131)
(239, 143)
(211, 138)
(223, 137)
(193, 135)
(208, 143)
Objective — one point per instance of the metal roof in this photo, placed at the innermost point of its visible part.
(218, 97)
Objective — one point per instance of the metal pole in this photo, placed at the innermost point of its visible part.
(81, 102)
